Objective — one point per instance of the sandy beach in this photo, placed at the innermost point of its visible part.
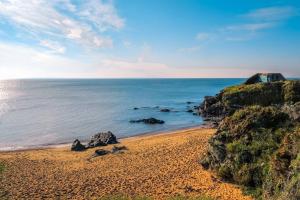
(158, 166)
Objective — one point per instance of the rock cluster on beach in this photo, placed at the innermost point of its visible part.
(99, 139)
(257, 143)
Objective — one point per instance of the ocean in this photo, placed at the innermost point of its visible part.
(39, 112)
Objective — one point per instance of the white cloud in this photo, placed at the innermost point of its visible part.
(41, 18)
(133, 65)
(257, 21)
(54, 46)
(204, 36)
(189, 49)
(252, 27)
(18, 61)
(103, 16)
(272, 13)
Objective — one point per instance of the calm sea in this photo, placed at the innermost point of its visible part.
(41, 112)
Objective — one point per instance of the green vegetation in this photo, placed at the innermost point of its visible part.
(2, 168)
(258, 144)
(263, 94)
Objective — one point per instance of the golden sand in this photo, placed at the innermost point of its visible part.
(157, 166)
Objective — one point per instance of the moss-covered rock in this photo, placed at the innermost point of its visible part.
(236, 97)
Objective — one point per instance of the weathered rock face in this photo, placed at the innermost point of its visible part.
(102, 139)
(77, 146)
(257, 143)
(265, 77)
(293, 111)
(148, 121)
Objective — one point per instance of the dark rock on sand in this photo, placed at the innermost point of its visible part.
(98, 152)
(148, 121)
(77, 146)
(165, 110)
(119, 149)
(102, 139)
(101, 152)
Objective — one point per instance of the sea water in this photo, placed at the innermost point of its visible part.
(38, 112)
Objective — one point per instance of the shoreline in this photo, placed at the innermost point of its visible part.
(204, 125)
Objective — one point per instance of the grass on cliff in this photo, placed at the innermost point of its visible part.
(264, 94)
(2, 168)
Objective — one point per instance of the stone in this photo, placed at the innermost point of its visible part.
(148, 121)
(118, 149)
(77, 146)
(102, 139)
(165, 110)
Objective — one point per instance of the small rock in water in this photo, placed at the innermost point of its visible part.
(190, 111)
(77, 146)
(189, 102)
(102, 139)
(148, 121)
(117, 149)
(165, 110)
(135, 108)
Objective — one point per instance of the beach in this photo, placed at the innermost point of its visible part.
(158, 166)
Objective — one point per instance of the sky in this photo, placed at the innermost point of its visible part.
(148, 39)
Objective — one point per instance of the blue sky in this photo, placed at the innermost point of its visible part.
(141, 38)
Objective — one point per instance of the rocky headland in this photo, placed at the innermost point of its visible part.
(257, 143)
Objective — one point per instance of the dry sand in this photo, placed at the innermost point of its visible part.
(157, 166)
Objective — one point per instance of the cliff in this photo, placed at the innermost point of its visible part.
(257, 143)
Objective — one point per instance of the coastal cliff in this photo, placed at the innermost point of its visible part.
(257, 143)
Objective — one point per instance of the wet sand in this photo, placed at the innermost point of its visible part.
(159, 166)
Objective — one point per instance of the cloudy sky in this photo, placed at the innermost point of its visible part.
(142, 38)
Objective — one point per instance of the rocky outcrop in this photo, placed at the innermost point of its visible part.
(257, 143)
(148, 121)
(165, 110)
(265, 78)
(77, 146)
(102, 139)
(236, 97)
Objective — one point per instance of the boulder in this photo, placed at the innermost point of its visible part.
(77, 146)
(119, 149)
(148, 121)
(102, 139)
(189, 102)
(101, 152)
